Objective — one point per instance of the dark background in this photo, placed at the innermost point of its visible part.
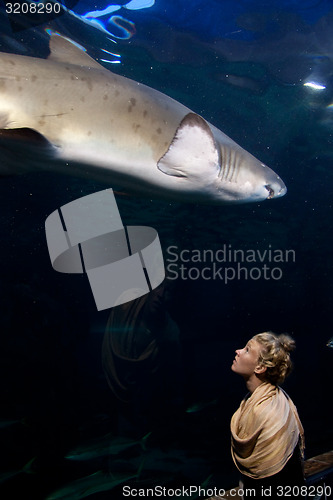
(53, 391)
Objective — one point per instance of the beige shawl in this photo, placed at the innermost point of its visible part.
(264, 432)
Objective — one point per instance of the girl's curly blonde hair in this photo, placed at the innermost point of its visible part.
(275, 355)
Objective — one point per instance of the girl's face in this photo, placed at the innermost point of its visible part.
(246, 361)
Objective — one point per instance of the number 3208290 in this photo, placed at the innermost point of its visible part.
(33, 8)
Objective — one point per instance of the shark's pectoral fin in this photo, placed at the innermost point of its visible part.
(24, 134)
(23, 150)
(193, 151)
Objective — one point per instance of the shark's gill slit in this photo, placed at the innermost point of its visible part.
(232, 160)
(225, 162)
(226, 169)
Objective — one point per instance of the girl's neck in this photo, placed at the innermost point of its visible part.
(253, 382)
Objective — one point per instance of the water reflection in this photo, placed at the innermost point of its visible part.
(117, 26)
(141, 357)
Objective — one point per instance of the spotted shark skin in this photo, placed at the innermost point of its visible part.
(123, 131)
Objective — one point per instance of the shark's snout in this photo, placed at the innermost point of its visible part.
(276, 189)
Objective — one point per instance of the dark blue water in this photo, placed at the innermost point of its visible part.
(243, 66)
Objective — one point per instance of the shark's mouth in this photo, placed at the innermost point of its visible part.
(271, 192)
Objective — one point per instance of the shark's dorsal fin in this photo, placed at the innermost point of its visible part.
(193, 151)
(64, 50)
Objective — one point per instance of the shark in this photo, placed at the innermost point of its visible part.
(69, 110)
